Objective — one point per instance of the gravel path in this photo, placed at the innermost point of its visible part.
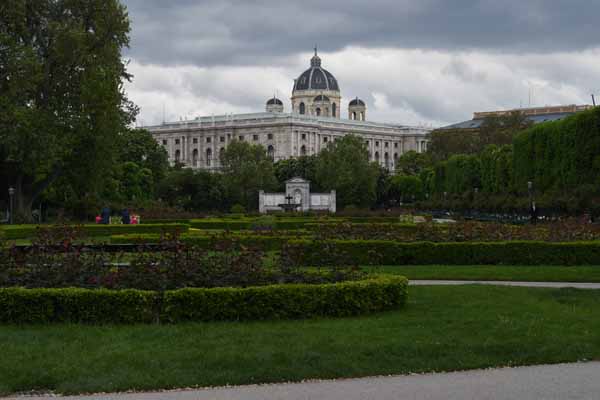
(577, 285)
(577, 381)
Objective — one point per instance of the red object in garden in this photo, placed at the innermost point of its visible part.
(98, 219)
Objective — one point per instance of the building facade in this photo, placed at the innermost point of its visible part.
(534, 115)
(314, 122)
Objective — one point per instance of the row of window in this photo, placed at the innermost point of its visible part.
(221, 139)
(385, 144)
(318, 111)
(195, 155)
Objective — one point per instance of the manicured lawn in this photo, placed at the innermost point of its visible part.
(441, 328)
(544, 273)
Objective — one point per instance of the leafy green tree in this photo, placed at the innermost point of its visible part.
(246, 169)
(462, 173)
(406, 188)
(303, 166)
(412, 163)
(194, 190)
(494, 129)
(62, 102)
(344, 166)
(138, 146)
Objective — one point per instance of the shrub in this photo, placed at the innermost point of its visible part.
(285, 301)
(238, 209)
(380, 252)
(39, 306)
(28, 231)
(42, 306)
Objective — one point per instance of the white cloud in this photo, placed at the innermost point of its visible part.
(398, 85)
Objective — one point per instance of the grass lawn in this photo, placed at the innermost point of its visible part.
(441, 329)
(544, 273)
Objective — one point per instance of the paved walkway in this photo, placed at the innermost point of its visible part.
(577, 285)
(579, 381)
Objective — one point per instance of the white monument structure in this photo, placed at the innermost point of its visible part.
(297, 197)
(313, 123)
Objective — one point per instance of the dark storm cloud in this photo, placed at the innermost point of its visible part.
(226, 32)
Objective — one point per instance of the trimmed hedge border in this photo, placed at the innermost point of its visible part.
(288, 223)
(265, 243)
(42, 306)
(13, 232)
(379, 252)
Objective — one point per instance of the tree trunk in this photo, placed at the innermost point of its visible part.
(26, 194)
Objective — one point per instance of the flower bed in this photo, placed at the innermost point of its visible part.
(380, 252)
(13, 232)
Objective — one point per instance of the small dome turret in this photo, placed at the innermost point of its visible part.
(357, 110)
(274, 105)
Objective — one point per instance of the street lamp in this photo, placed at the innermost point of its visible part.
(532, 210)
(11, 195)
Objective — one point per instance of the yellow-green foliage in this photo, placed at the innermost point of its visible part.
(40, 306)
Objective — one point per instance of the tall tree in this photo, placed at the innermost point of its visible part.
(303, 166)
(344, 166)
(412, 163)
(62, 103)
(246, 169)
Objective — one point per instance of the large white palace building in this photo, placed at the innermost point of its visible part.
(314, 121)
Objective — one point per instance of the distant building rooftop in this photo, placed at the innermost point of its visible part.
(535, 114)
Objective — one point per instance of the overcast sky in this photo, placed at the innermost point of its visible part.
(412, 61)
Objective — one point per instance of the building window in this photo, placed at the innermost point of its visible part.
(222, 139)
(367, 143)
(221, 153)
(318, 112)
(208, 157)
(241, 138)
(376, 144)
(271, 152)
(386, 159)
(377, 156)
(164, 142)
(304, 136)
(195, 157)
(353, 115)
(176, 141)
(395, 145)
(325, 139)
(270, 136)
(303, 150)
(254, 137)
(208, 140)
(302, 108)
(195, 140)
(177, 156)
(333, 110)
(386, 145)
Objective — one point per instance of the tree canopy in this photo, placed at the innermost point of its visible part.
(62, 103)
(344, 166)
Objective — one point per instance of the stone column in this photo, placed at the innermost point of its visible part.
(261, 201)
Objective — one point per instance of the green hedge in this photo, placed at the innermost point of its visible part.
(379, 252)
(39, 306)
(13, 232)
(285, 301)
(288, 223)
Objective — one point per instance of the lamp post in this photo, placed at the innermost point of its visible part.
(475, 191)
(532, 210)
(11, 196)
